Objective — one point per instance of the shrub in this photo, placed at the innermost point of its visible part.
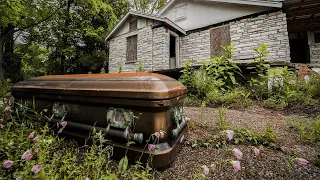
(198, 82)
(223, 70)
(236, 97)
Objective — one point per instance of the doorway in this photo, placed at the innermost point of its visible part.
(299, 47)
(173, 50)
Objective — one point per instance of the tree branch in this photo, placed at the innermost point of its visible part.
(39, 22)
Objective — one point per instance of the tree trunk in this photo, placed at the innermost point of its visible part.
(1, 58)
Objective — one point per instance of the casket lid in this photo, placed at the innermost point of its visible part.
(121, 85)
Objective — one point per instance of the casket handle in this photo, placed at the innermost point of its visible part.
(180, 127)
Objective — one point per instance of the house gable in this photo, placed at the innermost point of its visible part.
(191, 14)
(143, 20)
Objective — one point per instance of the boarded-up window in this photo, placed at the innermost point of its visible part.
(132, 48)
(133, 25)
(219, 37)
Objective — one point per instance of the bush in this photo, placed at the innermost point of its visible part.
(237, 97)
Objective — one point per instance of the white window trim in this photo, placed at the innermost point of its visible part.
(311, 39)
(177, 47)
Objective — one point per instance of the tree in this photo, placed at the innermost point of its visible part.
(148, 6)
(19, 15)
(75, 36)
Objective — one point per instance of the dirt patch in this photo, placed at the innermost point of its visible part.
(271, 165)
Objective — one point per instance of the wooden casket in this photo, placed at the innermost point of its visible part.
(126, 107)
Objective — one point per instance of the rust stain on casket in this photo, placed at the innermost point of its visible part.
(121, 85)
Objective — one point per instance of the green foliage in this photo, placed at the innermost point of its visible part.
(307, 129)
(236, 97)
(223, 70)
(222, 118)
(261, 65)
(61, 159)
(251, 137)
(198, 82)
(278, 87)
(120, 68)
(218, 75)
(102, 71)
(140, 67)
(33, 58)
(148, 6)
(242, 136)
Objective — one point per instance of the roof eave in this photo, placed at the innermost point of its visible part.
(165, 20)
(253, 2)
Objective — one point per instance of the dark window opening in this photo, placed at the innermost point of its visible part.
(317, 37)
(133, 25)
(132, 48)
(172, 46)
(299, 47)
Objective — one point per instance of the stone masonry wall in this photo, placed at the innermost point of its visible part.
(270, 29)
(195, 47)
(152, 50)
(315, 53)
(161, 42)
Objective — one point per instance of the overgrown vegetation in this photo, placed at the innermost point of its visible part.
(307, 129)
(218, 82)
(240, 135)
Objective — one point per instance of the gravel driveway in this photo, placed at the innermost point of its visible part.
(271, 165)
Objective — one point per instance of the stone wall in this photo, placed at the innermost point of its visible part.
(152, 50)
(161, 40)
(195, 47)
(270, 29)
(314, 53)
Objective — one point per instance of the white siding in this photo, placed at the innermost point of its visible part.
(202, 14)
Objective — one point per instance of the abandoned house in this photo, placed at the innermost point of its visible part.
(195, 30)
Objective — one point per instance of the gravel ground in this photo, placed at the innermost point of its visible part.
(271, 165)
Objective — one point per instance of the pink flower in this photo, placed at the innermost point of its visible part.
(35, 169)
(36, 139)
(230, 134)
(31, 135)
(302, 161)
(26, 155)
(36, 150)
(1, 103)
(156, 134)
(7, 164)
(63, 125)
(45, 110)
(236, 165)
(151, 147)
(7, 109)
(1, 126)
(205, 170)
(257, 152)
(237, 153)
(161, 134)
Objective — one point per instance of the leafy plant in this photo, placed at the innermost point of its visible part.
(223, 70)
(307, 129)
(140, 67)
